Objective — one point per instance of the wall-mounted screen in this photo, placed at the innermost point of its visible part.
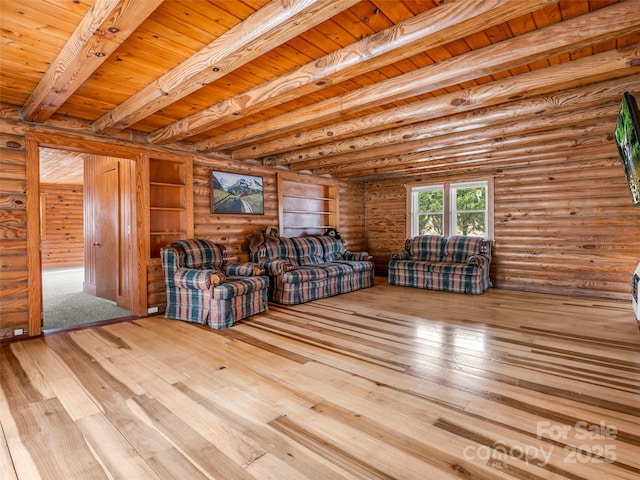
(627, 136)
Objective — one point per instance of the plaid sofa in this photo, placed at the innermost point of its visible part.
(302, 269)
(203, 288)
(456, 264)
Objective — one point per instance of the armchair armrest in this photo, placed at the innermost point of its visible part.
(479, 261)
(404, 255)
(191, 278)
(279, 265)
(244, 269)
(216, 278)
(357, 256)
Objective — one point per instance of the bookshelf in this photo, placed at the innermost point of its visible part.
(307, 205)
(170, 203)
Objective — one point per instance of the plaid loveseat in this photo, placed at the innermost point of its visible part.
(302, 269)
(456, 264)
(203, 288)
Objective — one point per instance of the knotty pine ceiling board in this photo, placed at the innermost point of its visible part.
(58, 167)
(326, 37)
(342, 87)
(34, 32)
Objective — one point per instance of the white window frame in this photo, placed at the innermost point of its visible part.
(450, 212)
(453, 208)
(414, 204)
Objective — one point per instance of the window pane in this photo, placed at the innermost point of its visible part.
(473, 198)
(470, 224)
(430, 224)
(431, 201)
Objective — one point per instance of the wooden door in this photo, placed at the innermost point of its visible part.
(105, 239)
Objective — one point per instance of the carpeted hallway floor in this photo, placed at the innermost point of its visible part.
(66, 305)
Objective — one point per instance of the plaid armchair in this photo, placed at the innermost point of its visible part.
(203, 288)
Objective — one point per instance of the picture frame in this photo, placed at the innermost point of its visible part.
(236, 193)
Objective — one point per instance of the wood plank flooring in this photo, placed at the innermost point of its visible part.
(384, 383)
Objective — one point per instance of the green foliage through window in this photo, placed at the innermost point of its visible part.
(430, 212)
(471, 204)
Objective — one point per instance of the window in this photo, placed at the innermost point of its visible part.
(451, 209)
(428, 210)
(469, 209)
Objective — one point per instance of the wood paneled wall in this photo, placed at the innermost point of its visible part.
(62, 225)
(14, 291)
(229, 229)
(352, 216)
(232, 230)
(562, 226)
(566, 228)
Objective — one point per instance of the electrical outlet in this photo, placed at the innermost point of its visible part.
(152, 310)
(18, 331)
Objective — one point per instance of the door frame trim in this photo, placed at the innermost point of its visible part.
(33, 142)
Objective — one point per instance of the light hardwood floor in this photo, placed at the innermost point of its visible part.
(387, 382)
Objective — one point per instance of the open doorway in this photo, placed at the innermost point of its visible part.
(81, 224)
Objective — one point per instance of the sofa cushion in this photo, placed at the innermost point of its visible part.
(303, 274)
(452, 268)
(283, 248)
(336, 269)
(430, 248)
(459, 248)
(237, 286)
(334, 248)
(358, 266)
(199, 253)
(309, 250)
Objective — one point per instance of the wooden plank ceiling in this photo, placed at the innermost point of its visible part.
(352, 89)
(59, 167)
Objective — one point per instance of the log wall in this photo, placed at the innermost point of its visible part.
(561, 226)
(63, 225)
(232, 230)
(352, 216)
(14, 291)
(19, 255)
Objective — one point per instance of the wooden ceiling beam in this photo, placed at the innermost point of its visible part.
(520, 144)
(601, 25)
(608, 65)
(489, 165)
(487, 161)
(427, 30)
(103, 29)
(531, 109)
(485, 132)
(269, 27)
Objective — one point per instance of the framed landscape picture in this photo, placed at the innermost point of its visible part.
(236, 193)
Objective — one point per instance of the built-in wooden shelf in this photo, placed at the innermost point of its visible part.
(307, 205)
(170, 202)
